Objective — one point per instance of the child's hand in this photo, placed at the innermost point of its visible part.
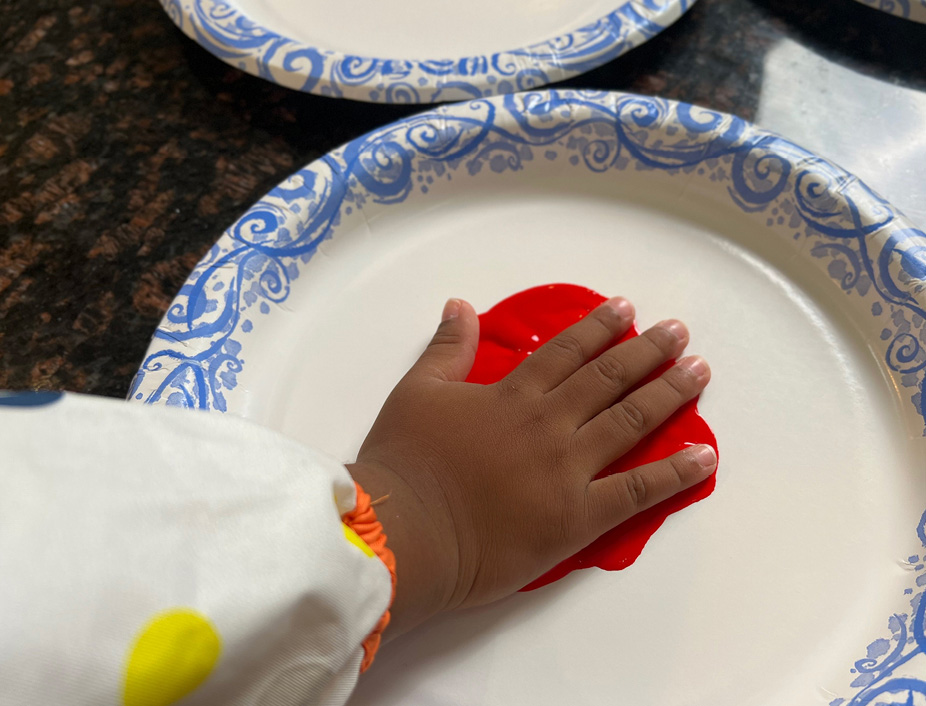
(491, 485)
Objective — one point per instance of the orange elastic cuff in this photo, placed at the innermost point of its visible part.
(362, 519)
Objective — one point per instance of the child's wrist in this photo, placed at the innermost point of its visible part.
(420, 534)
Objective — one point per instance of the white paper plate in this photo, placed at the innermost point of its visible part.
(800, 579)
(908, 9)
(420, 51)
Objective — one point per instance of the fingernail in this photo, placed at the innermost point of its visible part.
(676, 328)
(705, 456)
(451, 310)
(696, 365)
(621, 307)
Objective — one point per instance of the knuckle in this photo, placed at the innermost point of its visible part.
(605, 320)
(562, 456)
(681, 466)
(508, 388)
(629, 417)
(567, 346)
(612, 371)
(445, 335)
(543, 425)
(536, 418)
(636, 489)
(678, 383)
(662, 339)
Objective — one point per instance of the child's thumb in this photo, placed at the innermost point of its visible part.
(451, 352)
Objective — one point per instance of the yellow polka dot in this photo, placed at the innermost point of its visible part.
(172, 655)
(354, 539)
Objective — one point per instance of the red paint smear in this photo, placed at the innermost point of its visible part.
(512, 330)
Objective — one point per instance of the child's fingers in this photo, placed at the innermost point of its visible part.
(451, 352)
(620, 427)
(562, 355)
(600, 382)
(620, 496)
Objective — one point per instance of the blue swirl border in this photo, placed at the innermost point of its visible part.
(857, 239)
(883, 675)
(233, 37)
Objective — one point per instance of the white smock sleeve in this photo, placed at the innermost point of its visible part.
(153, 556)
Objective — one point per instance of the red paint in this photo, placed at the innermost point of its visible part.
(512, 330)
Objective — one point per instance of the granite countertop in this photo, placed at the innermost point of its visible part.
(127, 149)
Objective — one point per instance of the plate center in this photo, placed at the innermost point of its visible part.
(791, 562)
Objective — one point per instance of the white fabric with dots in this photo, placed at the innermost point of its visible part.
(131, 534)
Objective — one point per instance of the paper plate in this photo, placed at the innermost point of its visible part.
(908, 9)
(801, 578)
(433, 51)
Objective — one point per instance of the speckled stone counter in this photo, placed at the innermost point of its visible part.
(126, 149)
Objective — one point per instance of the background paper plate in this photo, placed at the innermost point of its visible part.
(800, 580)
(434, 51)
(908, 9)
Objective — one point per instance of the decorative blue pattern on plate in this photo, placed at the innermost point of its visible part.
(236, 39)
(908, 9)
(863, 246)
(867, 248)
(877, 679)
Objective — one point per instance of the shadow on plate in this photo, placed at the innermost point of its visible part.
(461, 638)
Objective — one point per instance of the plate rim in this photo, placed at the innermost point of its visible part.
(760, 166)
(869, 216)
(229, 34)
(913, 10)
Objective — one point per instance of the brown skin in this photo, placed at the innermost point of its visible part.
(491, 485)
